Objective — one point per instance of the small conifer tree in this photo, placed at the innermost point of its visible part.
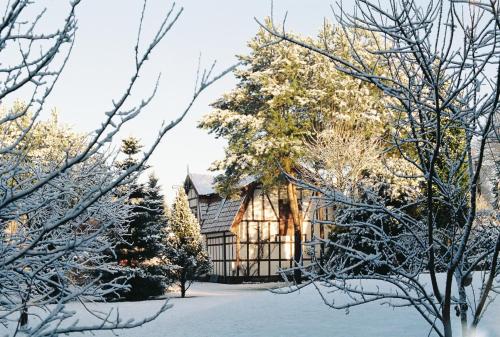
(184, 246)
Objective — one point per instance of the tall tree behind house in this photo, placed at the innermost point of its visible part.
(284, 97)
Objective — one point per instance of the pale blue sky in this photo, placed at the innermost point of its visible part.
(102, 60)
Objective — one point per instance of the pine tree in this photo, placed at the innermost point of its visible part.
(130, 147)
(184, 247)
(285, 95)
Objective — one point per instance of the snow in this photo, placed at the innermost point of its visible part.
(203, 183)
(250, 310)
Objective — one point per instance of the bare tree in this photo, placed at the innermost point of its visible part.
(360, 153)
(57, 218)
(438, 252)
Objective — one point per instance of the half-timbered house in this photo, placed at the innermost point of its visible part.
(250, 237)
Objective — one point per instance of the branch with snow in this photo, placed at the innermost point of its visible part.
(444, 100)
(60, 213)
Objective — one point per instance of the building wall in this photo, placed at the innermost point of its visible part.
(221, 248)
(193, 201)
(255, 248)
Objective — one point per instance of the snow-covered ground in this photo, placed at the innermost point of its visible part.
(250, 310)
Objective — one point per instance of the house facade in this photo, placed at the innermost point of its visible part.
(250, 237)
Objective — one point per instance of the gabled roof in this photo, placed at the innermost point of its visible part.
(217, 213)
(204, 184)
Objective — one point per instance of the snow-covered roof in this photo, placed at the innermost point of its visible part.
(204, 184)
(216, 213)
(218, 216)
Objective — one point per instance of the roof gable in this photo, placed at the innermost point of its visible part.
(204, 184)
(217, 214)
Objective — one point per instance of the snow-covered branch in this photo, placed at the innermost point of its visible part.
(61, 213)
(443, 96)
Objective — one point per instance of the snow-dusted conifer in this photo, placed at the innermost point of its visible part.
(147, 229)
(143, 241)
(184, 246)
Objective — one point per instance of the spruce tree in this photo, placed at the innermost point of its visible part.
(138, 252)
(184, 247)
(146, 228)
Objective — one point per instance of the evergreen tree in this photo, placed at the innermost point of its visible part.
(131, 146)
(145, 243)
(138, 252)
(184, 247)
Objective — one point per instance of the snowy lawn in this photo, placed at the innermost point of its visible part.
(250, 310)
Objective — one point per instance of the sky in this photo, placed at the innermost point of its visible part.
(102, 59)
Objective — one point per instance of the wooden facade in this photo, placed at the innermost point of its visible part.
(251, 237)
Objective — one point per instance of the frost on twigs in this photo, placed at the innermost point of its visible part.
(417, 221)
(60, 215)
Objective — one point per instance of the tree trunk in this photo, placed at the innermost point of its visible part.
(297, 230)
(446, 309)
(23, 319)
(183, 288)
(182, 283)
(447, 328)
(462, 308)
